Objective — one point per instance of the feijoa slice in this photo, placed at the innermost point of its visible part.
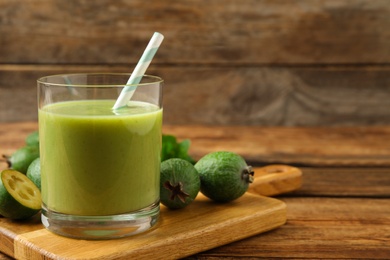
(179, 183)
(20, 198)
(225, 176)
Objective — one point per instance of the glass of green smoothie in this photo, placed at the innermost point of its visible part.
(100, 167)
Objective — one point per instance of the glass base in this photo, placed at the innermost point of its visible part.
(100, 227)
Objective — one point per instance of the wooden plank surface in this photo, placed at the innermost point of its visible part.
(319, 146)
(269, 96)
(320, 228)
(352, 182)
(338, 213)
(315, 228)
(200, 226)
(207, 31)
(257, 62)
(254, 62)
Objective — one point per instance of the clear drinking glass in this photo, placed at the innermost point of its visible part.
(100, 167)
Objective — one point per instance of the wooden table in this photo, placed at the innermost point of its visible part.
(342, 210)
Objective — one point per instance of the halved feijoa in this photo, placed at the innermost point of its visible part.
(224, 176)
(20, 198)
(179, 183)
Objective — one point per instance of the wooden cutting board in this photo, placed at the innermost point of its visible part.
(198, 227)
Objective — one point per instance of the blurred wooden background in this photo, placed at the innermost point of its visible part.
(225, 62)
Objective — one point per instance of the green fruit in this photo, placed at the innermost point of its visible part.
(179, 183)
(32, 139)
(22, 158)
(19, 197)
(224, 176)
(34, 172)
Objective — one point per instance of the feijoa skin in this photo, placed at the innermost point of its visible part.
(179, 183)
(34, 172)
(32, 139)
(225, 176)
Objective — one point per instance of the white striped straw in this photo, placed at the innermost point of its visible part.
(139, 71)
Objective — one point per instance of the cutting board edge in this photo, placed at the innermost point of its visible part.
(7, 239)
(280, 212)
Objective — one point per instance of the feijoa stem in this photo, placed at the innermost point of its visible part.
(6, 159)
(176, 191)
(247, 174)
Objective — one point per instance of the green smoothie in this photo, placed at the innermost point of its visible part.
(96, 162)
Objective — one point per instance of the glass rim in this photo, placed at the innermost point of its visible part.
(40, 80)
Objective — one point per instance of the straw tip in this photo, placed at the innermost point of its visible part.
(159, 35)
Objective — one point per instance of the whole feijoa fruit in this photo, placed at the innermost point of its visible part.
(224, 176)
(179, 183)
(32, 139)
(22, 158)
(34, 172)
